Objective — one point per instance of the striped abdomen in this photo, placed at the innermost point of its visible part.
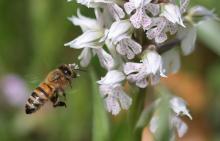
(37, 99)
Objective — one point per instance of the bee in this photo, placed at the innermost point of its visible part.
(52, 87)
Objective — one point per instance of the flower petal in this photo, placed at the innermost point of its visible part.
(85, 57)
(112, 77)
(154, 124)
(136, 19)
(105, 59)
(116, 11)
(112, 105)
(153, 61)
(171, 61)
(124, 99)
(154, 9)
(119, 30)
(160, 24)
(146, 22)
(178, 105)
(128, 47)
(154, 79)
(161, 38)
(89, 39)
(172, 28)
(172, 13)
(129, 7)
(188, 41)
(181, 126)
(132, 67)
(142, 83)
(200, 13)
(84, 22)
(138, 3)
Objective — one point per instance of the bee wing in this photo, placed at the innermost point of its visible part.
(33, 79)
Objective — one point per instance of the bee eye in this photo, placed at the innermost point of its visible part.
(65, 70)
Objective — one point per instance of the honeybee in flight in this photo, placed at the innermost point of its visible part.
(52, 87)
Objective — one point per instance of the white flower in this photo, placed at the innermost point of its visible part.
(85, 57)
(140, 18)
(85, 23)
(188, 39)
(153, 61)
(114, 96)
(172, 13)
(196, 15)
(174, 122)
(178, 105)
(120, 35)
(128, 47)
(159, 28)
(94, 3)
(180, 126)
(105, 59)
(93, 32)
(116, 11)
(119, 30)
(89, 39)
(148, 71)
(199, 14)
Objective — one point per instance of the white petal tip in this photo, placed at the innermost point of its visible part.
(163, 75)
(182, 25)
(190, 117)
(66, 44)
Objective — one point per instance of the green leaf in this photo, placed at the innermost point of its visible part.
(163, 132)
(135, 112)
(208, 32)
(100, 130)
(145, 117)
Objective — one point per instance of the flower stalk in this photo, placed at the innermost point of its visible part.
(134, 42)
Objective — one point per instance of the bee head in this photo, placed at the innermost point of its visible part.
(69, 70)
(74, 68)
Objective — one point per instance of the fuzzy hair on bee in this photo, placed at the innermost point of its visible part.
(52, 87)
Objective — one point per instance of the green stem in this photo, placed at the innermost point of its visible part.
(135, 112)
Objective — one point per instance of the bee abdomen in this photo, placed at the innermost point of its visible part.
(37, 99)
(34, 103)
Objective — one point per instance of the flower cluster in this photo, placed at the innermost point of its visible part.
(126, 35)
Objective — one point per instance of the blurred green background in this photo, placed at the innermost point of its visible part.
(32, 34)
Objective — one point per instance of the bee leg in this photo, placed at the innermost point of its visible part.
(54, 99)
(60, 103)
(62, 93)
(70, 84)
(56, 102)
